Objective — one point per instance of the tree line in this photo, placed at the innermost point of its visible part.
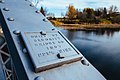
(89, 15)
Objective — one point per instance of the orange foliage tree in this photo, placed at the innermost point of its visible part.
(71, 12)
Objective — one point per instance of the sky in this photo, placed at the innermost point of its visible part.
(60, 6)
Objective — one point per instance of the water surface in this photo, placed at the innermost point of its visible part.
(101, 48)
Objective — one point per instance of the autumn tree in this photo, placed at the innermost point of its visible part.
(43, 11)
(71, 13)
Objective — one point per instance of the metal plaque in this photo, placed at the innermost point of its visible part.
(49, 49)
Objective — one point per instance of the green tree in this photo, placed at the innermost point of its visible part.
(116, 19)
(71, 12)
(104, 12)
(97, 12)
(90, 12)
(101, 12)
(78, 13)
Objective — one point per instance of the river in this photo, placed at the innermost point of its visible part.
(101, 48)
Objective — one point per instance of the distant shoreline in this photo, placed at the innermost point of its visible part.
(90, 26)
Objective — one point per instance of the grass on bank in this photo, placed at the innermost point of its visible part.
(103, 25)
(90, 26)
(56, 23)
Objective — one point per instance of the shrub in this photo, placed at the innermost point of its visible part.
(55, 23)
(104, 21)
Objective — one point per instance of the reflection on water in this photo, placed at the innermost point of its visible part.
(109, 33)
(101, 48)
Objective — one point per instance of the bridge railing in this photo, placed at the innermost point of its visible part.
(38, 50)
(7, 70)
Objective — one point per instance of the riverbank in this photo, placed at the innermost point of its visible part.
(90, 26)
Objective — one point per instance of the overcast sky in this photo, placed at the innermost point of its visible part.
(60, 6)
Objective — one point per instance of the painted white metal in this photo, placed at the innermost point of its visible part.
(22, 17)
(6, 61)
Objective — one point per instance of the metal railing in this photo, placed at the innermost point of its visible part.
(6, 60)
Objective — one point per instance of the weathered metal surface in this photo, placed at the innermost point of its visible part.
(2, 76)
(49, 49)
(6, 67)
(25, 19)
(2, 73)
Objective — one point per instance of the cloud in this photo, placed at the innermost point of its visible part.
(58, 6)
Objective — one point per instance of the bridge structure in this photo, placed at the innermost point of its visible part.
(31, 48)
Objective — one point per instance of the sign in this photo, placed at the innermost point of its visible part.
(48, 49)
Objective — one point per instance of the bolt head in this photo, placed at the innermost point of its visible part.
(2, 1)
(10, 19)
(24, 50)
(37, 11)
(84, 62)
(39, 78)
(17, 32)
(43, 33)
(60, 56)
(53, 29)
(31, 5)
(45, 20)
(6, 9)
